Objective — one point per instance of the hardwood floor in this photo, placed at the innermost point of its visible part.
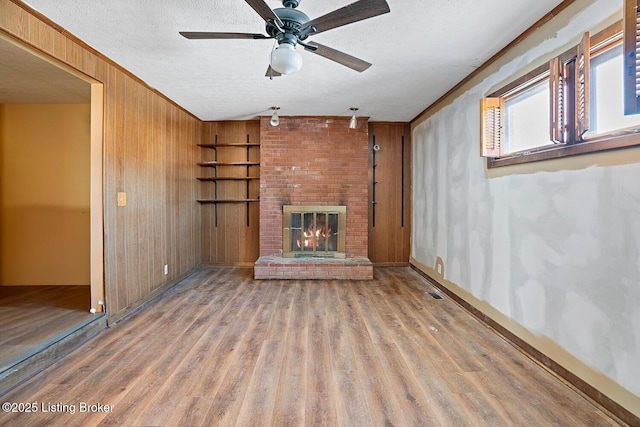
(32, 316)
(223, 349)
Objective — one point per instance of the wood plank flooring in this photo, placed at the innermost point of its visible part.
(223, 349)
(32, 316)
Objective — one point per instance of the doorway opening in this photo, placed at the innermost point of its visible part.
(51, 213)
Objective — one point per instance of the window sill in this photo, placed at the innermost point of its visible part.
(591, 145)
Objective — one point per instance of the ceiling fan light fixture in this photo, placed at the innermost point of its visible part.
(285, 59)
(289, 27)
(275, 120)
(353, 123)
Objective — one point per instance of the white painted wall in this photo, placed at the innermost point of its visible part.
(553, 246)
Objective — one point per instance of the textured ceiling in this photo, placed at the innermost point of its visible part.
(419, 51)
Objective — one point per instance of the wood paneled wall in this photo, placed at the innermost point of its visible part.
(150, 153)
(230, 231)
(390, 216)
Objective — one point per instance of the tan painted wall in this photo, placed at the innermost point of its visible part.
(44, 195)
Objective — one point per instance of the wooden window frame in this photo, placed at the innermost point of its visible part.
(568, 130)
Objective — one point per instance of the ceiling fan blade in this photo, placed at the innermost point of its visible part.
(354, 12)
(265, 11)
(208, 35)
(339, 57)
(272, 73)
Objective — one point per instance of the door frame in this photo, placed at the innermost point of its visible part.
(96, 203)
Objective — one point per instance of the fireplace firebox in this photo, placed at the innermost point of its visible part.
(314, 231)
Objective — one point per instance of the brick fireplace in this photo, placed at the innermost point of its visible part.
(315, 161)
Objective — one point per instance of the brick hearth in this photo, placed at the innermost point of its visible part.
(313, 161)
(313, 268)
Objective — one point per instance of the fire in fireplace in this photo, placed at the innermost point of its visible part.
(314, 231)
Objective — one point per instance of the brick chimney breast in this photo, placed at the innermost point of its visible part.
(314, 161)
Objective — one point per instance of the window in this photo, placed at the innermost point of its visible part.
(607, 95)
(527, 118)
(510, 115)
(582, 101)
(532, 112)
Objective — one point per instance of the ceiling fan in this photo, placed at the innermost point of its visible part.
(290, 27)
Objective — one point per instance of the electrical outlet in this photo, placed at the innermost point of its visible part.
(166, 269)
(439, 267)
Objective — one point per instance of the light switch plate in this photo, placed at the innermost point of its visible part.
(122, 199)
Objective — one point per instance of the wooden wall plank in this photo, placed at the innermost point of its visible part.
(14, 20)
(131, 175)
(111, 182)
(120, 254)
(39, 31)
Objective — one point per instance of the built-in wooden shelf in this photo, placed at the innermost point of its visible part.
(228, 178)
(215, 201)
(213, 164)
(234, 194)
(215, 146)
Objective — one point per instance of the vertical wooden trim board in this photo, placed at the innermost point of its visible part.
(96, 207)
(389, 193)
